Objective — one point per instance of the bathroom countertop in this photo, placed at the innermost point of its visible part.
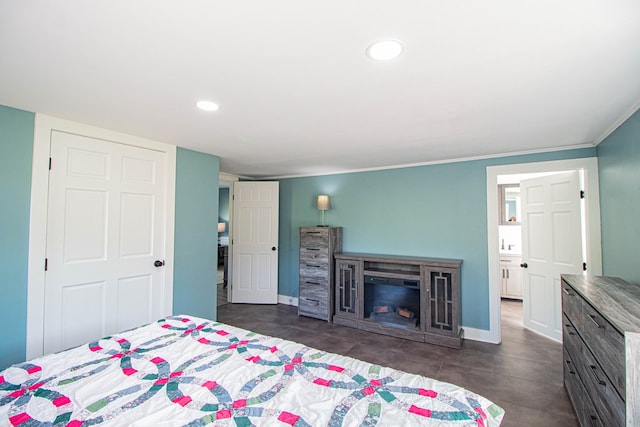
(510, 253)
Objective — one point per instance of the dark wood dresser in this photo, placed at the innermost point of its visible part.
(601, 349)
(317, 246)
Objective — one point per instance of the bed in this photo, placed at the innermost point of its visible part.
(188, 371)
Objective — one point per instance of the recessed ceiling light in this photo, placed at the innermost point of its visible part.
(207, 106)
(385, 50)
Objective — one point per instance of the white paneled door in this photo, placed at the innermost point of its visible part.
(255, 243)
(551, 246)
(105, 232)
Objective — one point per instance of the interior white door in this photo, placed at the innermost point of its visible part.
(105, 230)
(551, 245)
(255, 242)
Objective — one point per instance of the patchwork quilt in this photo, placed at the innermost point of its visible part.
(188, 371)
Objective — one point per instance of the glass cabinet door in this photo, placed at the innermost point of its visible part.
(442, 301)
(346, 288)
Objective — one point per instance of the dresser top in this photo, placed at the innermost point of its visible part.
(319, 228)
(617, 300)
(399, 259)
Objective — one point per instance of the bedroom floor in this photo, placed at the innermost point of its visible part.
(523, 374)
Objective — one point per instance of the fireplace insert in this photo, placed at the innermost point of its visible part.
(392, 301)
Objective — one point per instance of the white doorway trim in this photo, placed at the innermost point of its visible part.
(44, 125)
(226, 181)
(592, 218)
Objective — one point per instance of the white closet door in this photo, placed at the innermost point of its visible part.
(106, 226)
(255, 243)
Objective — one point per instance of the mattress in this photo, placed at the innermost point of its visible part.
(189, 371)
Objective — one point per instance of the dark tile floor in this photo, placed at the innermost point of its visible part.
(523, 374)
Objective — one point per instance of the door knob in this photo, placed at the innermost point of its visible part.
(158, 263)
(273, 248)
(524, 265)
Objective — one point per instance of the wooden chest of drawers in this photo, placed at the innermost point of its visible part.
(317, 246)
(601, 332)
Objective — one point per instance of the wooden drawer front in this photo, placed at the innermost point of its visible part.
(571, 303)
(605, 398)
(585, 410)
(314, 291)
(570, 337)
(315, 238)
(314, 255)
(313, 307)
(315, 273)
(314, 282)
(606, 343)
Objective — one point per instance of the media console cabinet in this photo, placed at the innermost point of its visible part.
(407, 297)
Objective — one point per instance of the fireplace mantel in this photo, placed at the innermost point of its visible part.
(408, 297)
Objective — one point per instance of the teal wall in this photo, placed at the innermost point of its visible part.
(432, 211)
(619, 172)
(196, 234)
(16, 148)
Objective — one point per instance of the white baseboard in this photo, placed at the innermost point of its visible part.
(480, 335)
(287, 300)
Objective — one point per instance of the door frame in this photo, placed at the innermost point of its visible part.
(44, 125)
(227, 180)
(589, 165)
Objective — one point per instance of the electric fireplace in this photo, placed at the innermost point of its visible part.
(407, 297)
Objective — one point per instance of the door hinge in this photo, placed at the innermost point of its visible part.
(46, 264)
(582, 194)
(584, 266)
(49, 163)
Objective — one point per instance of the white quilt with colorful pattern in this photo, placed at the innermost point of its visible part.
(187, 371)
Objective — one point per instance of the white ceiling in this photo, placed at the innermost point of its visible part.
(297, 93)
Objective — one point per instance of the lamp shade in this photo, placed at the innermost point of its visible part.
(222, 227)
(323, 202)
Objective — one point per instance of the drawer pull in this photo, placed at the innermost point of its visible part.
(568, 325)
(595, 322)
(312, 283)
(311, 249)
(313, 265)
(595, 374)
(593, 420)
(566, 291)
(568, 363)
(312, 301)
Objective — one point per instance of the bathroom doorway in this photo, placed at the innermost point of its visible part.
(514, 174)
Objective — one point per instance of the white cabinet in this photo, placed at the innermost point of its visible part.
(510, 276)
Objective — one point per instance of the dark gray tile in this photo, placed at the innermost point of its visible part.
(521, 416)
(501, 388)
